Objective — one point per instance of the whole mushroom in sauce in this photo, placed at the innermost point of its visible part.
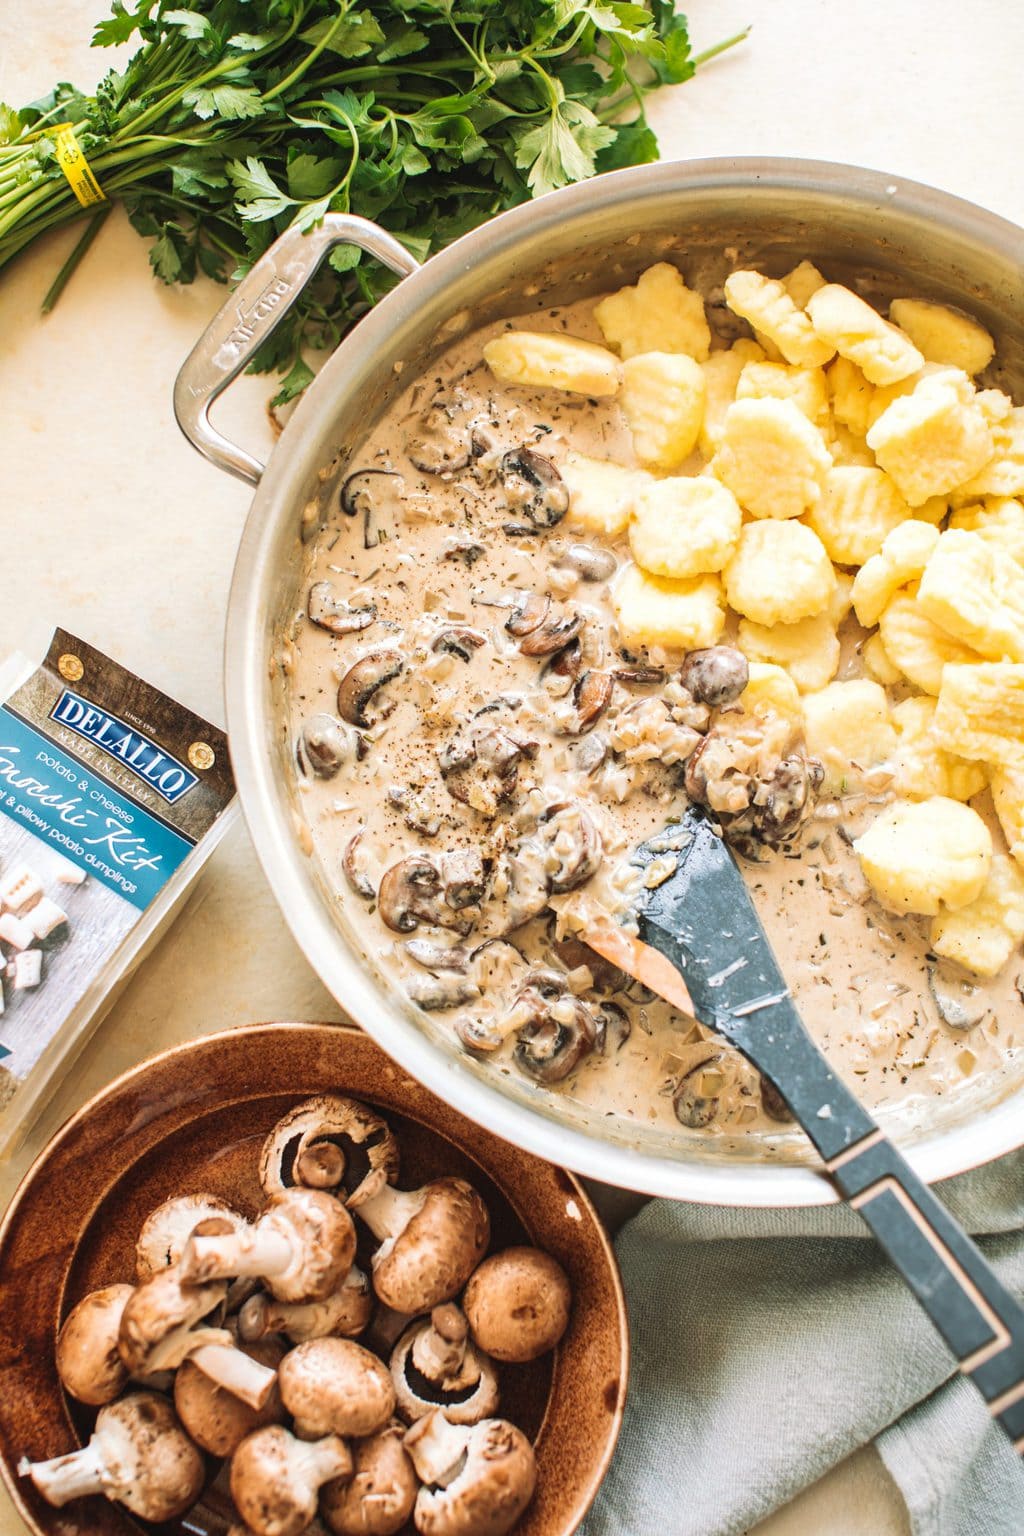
(518, 1304)
(442, 894)
(555, 1030)
(477, 1479)
(435, 1365)
(363, 680)
(325, 745)
(335, 1387)
(378, 1499)
(138, 1456)
(275, 1478)
(533, 488)
(165, 1322)
(715, 676)
(218, 1421)
(330, 1142)
(431, 1241)
(88, 1361)
(301, 1246)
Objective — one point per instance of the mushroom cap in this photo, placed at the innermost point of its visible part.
(323, 1242)
(464, 1395)
(151, 1466)
(518, 1304)
(216, 1419)
(492, 1488)
(166, 1230)
(368, 1147)
(88, 1361)
(333, 1386)
(161, 1304)
(345, 1312)
(379, 1498)
(436, 1252)
(275, 1478)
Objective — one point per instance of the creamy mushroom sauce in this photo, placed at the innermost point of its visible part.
(435, 565)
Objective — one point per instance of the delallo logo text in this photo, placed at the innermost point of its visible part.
(168, 777)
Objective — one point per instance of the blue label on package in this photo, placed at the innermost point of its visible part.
(76, 811)
(168, 777)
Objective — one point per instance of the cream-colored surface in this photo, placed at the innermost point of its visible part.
(113, 526)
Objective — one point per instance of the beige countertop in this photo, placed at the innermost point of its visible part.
(114, 527)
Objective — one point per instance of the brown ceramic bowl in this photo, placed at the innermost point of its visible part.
(194, 1118)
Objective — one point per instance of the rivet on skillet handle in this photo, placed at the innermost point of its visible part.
(260, 301)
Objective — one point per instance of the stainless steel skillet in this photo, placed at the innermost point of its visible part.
(907, 238)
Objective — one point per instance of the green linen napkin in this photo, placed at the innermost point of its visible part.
(769, 1345)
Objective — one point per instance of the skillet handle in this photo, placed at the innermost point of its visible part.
(260, 301)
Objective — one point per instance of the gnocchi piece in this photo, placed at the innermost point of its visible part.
(804, 280)
(859, 507)
(654, 610)
(841, 601)
(1007, 786)
(771, 458)
(976, 595)
(944, 335)
(903, 556)
(857, 332)
(685, 526)
(983, 935)
(808, 649)
(847, 727)
(999, 520)
(877, 664)
(846, 448)
(771, 697)
(657, 314)
(663, 402)
(921, 855)
(933, 439)
(772, 312)
(806, 388)
(980, 712)
(721, 375)
(851, 395)
(547, 360)
(923, 766)
(779, 574)
(602, 493)
(1003, 475)
(920, 649)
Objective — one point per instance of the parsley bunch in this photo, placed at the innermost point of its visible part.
(236, 118)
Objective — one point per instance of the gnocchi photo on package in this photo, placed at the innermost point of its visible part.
(754, 543)
(112, 797)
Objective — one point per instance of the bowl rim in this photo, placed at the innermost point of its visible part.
(331, 1032)
(987, 1134)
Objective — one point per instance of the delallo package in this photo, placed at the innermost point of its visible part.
(112, 797)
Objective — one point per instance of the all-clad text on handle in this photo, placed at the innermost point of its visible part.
(243, 323)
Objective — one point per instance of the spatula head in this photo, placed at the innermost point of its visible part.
(701, 918)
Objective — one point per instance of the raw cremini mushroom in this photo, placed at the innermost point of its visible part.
(431, 1240)
(163, 1324)
(275, 1478)
(301, 1246)
(435, 1365)
(88, 1360)
(378, 1499)
(518, 1304)
(167, 1229)
(330, 1142)
(345, 1312)
(333, 1386)
(218, 1421)
(477, 1478)
(138, 1455)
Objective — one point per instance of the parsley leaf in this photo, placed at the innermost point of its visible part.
(562, 149)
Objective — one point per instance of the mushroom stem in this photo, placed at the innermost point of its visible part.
(436, 1448)
(236, 1372)
(64, 1478)
(389, 1211)
(261, 1251)
(440, 1349)
(346, 1311)
(181, 1342)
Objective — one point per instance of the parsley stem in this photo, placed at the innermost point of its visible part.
(83, 243)
(712, 53)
